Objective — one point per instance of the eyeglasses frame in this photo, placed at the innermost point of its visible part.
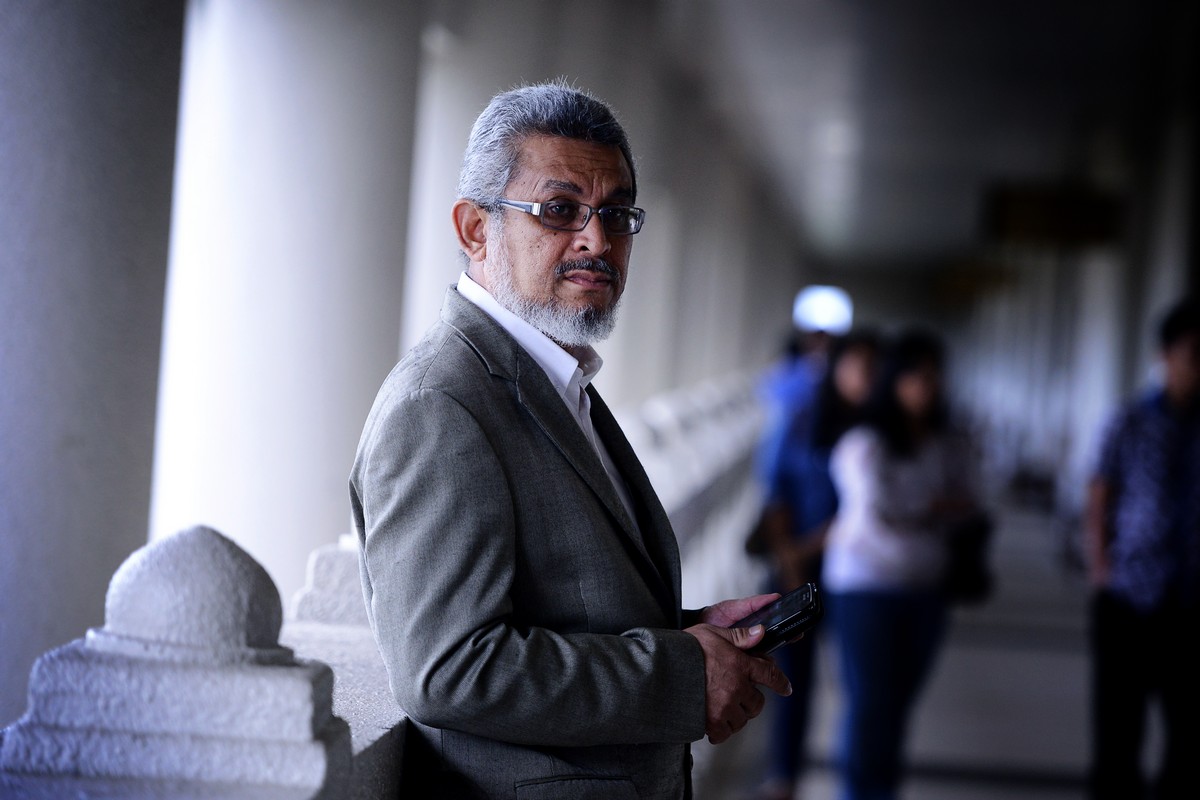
(538, 209)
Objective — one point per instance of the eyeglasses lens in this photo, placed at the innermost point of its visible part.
(565, 215)
(618, 220)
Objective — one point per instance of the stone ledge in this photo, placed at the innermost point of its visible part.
(363, 698)
(72, 687)
(15, 786)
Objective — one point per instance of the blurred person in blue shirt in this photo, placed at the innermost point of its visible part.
(1143, 546)
(819, 314)
(800, 499)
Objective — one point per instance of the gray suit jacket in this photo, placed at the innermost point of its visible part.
(530, 628)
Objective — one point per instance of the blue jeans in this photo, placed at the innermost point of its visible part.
(790, 720)
(887, 641)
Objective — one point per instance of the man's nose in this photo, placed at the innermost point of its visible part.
(593, 238)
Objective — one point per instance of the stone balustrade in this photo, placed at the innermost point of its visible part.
(697, 446)
(329, 623)
(196, 687)
(185, 691)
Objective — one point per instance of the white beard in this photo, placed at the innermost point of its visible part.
(570, 327)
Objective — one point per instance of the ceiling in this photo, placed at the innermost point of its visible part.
(883, 123)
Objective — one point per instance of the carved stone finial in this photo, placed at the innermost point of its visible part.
(194, 596)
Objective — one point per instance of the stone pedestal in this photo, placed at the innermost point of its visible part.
(333, 593)
(185, 683)
(329, 624)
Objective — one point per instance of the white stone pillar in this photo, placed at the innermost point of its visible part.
(88, 103)
(287, 260)
(472, 50)
(1095, 386)
(640, 84)
(710, 208)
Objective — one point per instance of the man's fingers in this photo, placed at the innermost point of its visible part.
(764, 670)
(732, 676)
(767, 673)
(754, 705)
(723, 729)
(731, 717)
(727, 612)
(752, 604)
(744, 638)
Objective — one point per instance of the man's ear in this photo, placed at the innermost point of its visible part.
(471, 227)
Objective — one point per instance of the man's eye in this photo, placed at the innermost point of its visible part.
(560, 211)
(616, 214)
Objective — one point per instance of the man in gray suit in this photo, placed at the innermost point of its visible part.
(521, 576)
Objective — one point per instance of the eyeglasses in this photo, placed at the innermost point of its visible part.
(567, 215)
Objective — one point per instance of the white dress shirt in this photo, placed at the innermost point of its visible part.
(569, 375)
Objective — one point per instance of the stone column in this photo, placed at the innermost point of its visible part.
(88, 102)
(472, 50)
(288, 252)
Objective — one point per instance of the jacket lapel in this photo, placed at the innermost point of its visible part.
(658, 537)
(537, 394)
(659, 563)
(506, 359)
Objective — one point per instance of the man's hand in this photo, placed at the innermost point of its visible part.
(731, 675)
(727, 612)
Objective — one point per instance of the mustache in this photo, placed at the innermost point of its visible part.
(590, 264)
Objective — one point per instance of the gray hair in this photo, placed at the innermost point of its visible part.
(546, 109)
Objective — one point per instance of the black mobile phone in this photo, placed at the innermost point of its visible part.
(786, 619)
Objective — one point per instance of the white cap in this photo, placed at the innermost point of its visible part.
(823, 308)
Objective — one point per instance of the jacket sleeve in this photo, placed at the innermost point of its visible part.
(437, 528)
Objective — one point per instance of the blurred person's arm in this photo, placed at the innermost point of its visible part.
(807, 551)
(1102, 494)
(795, 557)
(1097, 531)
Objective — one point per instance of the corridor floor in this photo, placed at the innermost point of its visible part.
(1005, 711)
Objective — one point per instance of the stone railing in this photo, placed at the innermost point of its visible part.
(329, 623)
(697, 445)
(196, 687)
(185, 692)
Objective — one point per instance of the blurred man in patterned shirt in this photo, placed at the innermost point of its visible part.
(1143, 541)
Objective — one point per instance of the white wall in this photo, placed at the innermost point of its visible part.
(1165, 270)
(88, 96)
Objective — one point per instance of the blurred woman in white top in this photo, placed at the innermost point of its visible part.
(903, 478)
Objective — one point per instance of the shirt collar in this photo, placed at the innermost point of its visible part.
(564, 370)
